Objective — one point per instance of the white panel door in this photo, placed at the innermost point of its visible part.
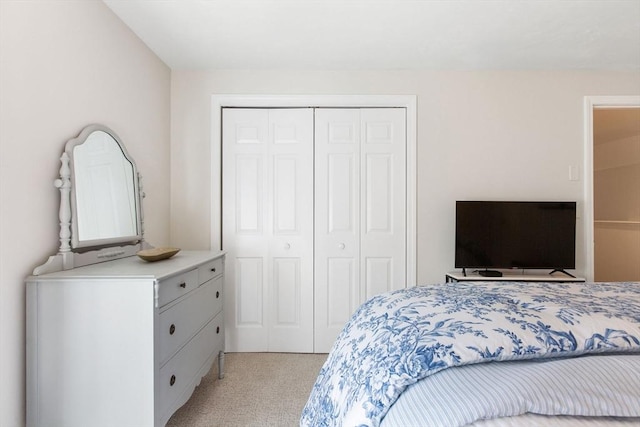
(337, 230)
(360, 232)
(267, 216)
(382, 200)
(290, 181)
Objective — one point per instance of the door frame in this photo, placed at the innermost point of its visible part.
(218, 102)
(590, 103)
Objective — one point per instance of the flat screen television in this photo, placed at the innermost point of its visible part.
(524, 235)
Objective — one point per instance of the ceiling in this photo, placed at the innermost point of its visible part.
(388, 34)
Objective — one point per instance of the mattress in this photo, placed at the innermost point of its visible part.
(577, 389)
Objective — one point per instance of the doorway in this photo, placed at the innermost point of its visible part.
(612, 214)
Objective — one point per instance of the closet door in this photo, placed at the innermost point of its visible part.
(337, 230)
(383, 202)
(268, 229)
(360, 232)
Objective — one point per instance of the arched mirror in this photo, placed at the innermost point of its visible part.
(100, 202)
(104, 198)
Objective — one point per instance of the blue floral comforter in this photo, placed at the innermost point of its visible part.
(398, 338)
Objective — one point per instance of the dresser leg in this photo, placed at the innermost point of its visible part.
(221, 365)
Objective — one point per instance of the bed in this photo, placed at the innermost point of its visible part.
(486, 354)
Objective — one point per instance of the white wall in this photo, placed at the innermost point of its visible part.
(63, 65)
(481, 135)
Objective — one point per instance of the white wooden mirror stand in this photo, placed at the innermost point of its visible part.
(101, 215)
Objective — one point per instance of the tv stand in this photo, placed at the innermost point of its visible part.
(489, 273)
(559, 270)
(510, 276)
(484, 273)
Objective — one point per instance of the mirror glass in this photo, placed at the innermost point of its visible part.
(105, 190)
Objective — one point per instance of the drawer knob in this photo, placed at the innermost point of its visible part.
(172, 329)
(217, 294)
(213, 269)
(172, 381)
(217, 329)
(183, 285)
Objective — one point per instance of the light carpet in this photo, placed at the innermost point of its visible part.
(258, 389)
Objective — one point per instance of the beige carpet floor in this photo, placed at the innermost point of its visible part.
(259, 389)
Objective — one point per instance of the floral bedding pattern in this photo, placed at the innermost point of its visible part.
(397, 338)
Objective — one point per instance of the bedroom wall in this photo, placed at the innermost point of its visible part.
(481, 135)
(63, 65)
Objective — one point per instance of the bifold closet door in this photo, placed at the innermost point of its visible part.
(360, 212)
(267, 218)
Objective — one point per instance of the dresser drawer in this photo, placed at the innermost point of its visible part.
(176, 286)
(210, 270)
(179, 322)
(218, 283)
(179, 374)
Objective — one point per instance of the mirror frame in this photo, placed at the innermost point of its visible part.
(76, 243)
(74, 252)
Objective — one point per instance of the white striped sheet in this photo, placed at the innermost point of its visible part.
(535, 420)
(585, 386)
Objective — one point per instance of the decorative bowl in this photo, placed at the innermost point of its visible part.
(157, 254)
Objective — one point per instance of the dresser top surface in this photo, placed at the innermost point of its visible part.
(136, 267)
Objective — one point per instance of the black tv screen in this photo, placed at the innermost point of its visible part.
(526, 235)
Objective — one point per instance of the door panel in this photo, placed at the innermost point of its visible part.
(286, 284)
(379, 193)
(360, 212)
(268, 228)
(249, 194)
(378, 276)
(341, 175)
(342, 291)
(337, 232)
(249, 286)
(290, 301)
(383, 200)
(245, 135)
(285, 196)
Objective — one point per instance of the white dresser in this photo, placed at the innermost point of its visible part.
(124, 342)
